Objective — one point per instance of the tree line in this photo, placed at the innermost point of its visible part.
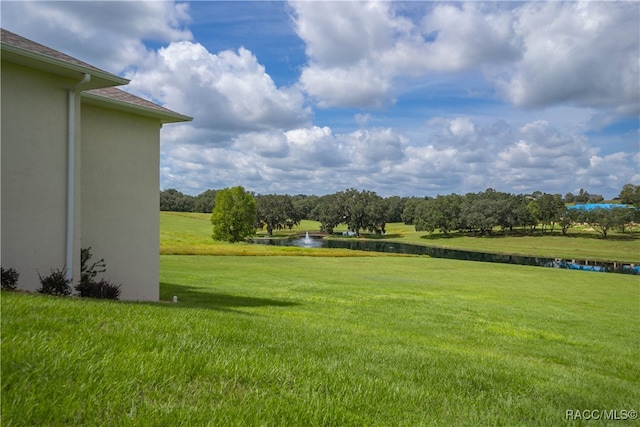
(487, 211)
(364, 210)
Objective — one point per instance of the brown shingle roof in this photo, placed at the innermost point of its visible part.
(141, 105)
(99, 90)
(18, 49)
(12, 39)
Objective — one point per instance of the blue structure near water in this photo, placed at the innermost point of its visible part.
(577, 266)
(590, 206)
(633, 269)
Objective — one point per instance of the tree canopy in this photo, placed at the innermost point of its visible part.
(362, 210)
(630, 194)
(359, 210)
(234, 215)
(276, 212)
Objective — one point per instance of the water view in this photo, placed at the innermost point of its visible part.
(438, 252)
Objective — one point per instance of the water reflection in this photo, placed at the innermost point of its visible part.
(436, 252)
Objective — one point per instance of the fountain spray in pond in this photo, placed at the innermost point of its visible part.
(307, 240)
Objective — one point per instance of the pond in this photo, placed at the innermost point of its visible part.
(459, 254)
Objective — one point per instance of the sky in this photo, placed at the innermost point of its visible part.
(412, 98)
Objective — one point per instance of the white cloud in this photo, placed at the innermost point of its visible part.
(461, 127)
(304, 160)
(107, 34)
(537, 54)
(227, 93)
(583, 53)
(360, 52)
(344, 41)
(267, 145)
(314, 148)
(359, 85)
(468, 35)
(612, 171)
(532, 157)
(544, 157)
(455, 155)
(375, 148)
(571, 67)
(341, 34)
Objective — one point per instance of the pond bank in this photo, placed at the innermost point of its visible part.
(458, 254)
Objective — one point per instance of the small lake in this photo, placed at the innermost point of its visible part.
(463, 255)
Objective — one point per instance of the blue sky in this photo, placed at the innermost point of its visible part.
(402, 98)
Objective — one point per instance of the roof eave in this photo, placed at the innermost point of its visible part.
(162, 116)
(47, 63)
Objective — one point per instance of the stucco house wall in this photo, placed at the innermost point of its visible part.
(34, 177)
(116, 147)
(120, 175)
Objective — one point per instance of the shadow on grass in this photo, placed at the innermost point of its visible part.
(613, 236)
(383, 236)
(440, 236)
(192, 297)
(370, 236)
(617, 237)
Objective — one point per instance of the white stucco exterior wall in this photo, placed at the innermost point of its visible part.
(120, 197)
(116, 169)
(34, 173)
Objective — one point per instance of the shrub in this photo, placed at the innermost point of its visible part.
(9, 279)
(89, 272)
(101, 289)
(88, 287)
(55, 284)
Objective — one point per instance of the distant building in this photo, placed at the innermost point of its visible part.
(80, 168)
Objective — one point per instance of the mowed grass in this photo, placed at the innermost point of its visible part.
(580, 242)
(332, 338)
(190, 234)
(305, 341)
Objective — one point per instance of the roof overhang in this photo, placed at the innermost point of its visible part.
(164, 115)
(98, 90)
(59, 67)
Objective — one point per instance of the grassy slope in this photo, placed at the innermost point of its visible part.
(191, 234)
(326, 341)
(286, 340)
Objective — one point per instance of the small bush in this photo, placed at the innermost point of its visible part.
(88, 271)
(55, 284)
(9, 279)
(102, 289)
(88, 287)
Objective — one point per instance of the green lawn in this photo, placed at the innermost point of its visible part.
(305, 341)
(332, 338)
(580, 243)
(189, 233)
